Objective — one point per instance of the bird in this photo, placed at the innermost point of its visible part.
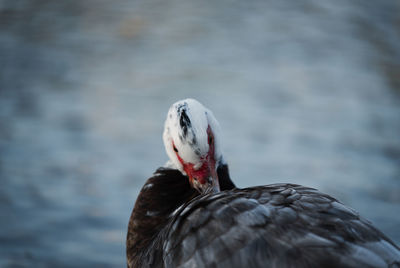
(190, 213)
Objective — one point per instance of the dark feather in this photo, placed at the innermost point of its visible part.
(280, 225)
(161, 195)
(184, 120)
(283, 232)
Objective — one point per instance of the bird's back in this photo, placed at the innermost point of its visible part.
(281, 225)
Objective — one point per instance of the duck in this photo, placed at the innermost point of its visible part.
(190, 213)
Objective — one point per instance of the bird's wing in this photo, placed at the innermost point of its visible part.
(278, 225)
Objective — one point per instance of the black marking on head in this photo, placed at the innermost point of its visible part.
(194, 140)
(184, 120)
(197, 152)
(180, 107)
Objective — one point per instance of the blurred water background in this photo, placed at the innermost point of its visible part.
(306, 91)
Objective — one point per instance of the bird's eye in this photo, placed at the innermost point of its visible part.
(176, 150)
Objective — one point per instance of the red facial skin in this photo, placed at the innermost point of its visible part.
(207, 170)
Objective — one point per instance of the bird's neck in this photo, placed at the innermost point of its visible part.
(225, 182)
(161, 195)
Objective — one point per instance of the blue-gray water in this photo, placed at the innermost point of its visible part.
(305, 91)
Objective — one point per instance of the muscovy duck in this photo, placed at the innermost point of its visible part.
(190, 214)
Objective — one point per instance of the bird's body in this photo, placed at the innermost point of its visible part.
(178, 223)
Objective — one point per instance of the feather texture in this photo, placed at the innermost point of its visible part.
(279, 225)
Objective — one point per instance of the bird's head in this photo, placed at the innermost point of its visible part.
(191, 139)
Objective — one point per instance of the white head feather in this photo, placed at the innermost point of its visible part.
(186, 128)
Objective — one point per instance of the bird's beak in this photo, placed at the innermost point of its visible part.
(207, 185)
(205, 182)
